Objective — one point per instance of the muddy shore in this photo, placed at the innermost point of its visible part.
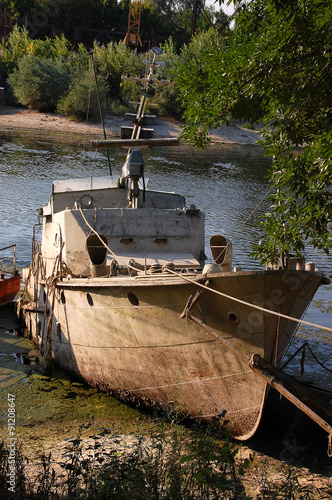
(14, 119)
(51, 409)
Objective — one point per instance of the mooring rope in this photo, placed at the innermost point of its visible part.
(195, 282)
(45, 348)
(259, 308)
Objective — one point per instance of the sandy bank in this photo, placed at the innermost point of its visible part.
(12, 119)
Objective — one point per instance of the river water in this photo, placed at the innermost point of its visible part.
(228, 183)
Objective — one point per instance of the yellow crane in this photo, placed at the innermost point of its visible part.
(132, 37)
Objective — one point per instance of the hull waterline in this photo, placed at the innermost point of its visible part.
(136, 345)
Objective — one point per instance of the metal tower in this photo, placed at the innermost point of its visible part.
(132, 37)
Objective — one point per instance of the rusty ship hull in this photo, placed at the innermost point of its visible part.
(126, 335)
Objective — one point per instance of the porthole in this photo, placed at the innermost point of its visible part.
(89, 299)
(232, 316)
(62, 297)
(133, 299)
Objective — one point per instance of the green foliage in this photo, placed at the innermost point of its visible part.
(74, 95)
(88, 20)
(80, 101)
(19, 44)
(276, 64)
(171, 463)
(112, 62)
(39, 83)
(205, 90)
(118, 108)
(117, 59)
(166, 102)
(19, 8)
(301, 208)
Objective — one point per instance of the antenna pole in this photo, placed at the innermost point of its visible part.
(100, 111)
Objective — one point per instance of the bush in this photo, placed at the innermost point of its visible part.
(167, 97)
(38, 79)
(80, 101)
(114, 61)
(117, 108)
(39, 83)
(165, 101)
(19, 45)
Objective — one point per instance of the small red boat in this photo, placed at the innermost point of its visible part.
(10, 280)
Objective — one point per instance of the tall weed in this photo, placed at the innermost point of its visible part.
(171, 464)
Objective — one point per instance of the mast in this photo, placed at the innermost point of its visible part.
(147, 91)
(133, 168)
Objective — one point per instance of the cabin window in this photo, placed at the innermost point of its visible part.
(89, 299)
(133, 299)
(62, 297)
(126, 241)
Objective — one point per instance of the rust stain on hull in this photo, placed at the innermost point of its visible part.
(146, 353)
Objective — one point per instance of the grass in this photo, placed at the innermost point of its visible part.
(170, 462)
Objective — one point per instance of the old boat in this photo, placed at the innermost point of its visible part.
(10, 280)
(123, 297)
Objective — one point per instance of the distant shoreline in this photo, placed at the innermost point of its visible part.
(15, 119)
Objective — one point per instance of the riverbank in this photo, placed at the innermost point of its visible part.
(14, 119)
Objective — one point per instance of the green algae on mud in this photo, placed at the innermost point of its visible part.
(49, 408)
(57, 400)
(56, 408)
(11, 346)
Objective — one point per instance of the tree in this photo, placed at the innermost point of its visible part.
(19, 44)
(19, 8)
(275, 65)
(39, 83)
